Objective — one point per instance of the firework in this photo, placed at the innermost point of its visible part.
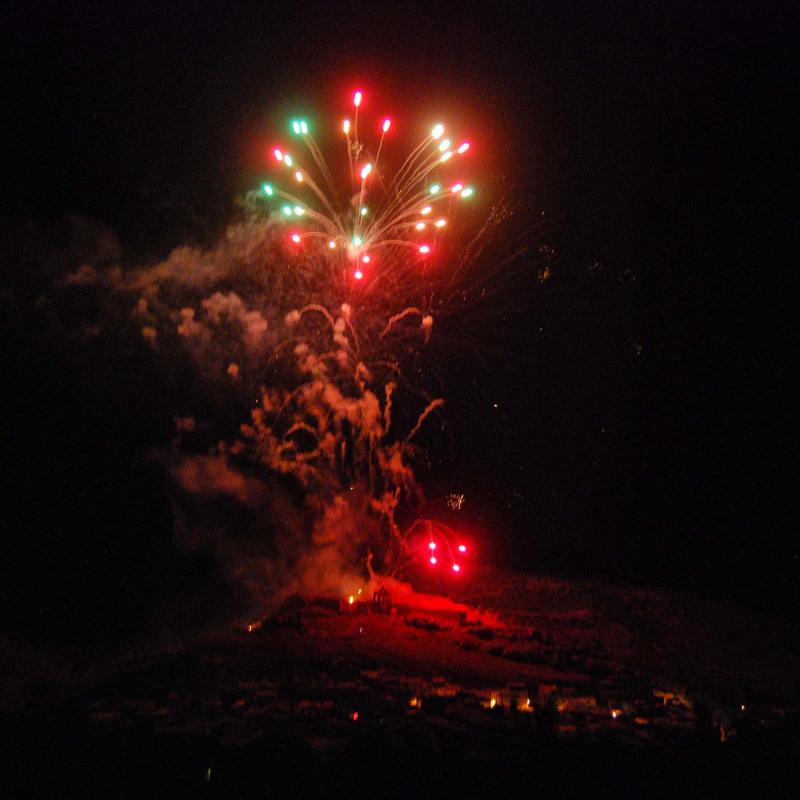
(379, 223)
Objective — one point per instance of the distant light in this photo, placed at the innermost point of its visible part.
(463, 148)
(446, 156)
(366, 171)
(299, 176)
(287, 210)
(296, 238)
(425, 210)
(299, 211)
(346, 126)
(456, 188)
(363, 211)
(440, 223)
(432, 545)
(387, 123)
(420, 226)
(424, 249)
(332, 244)
(287, 159)
(468, 192)
(357, 97)
(358, 274)
(436, 188)
(462, 548)
(443, 145)
(437, 131)
(278, 154)
(354, 716)
(357, 241)
(267, 189)
(433, 560)
(296, 126)
(351, 599)
(304, 127)
(456, 568)
(366, 259)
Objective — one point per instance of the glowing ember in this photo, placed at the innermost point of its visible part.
(456, 568)
(432, 545)
(462, 548)
(434, 560)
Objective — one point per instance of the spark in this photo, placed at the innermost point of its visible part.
(357, 241)
(434, 560)
(462, 548)
(366, 259)
(296, 238)
(346, 126)
(287, 210)
(440, 223)
(332, 244)
(363, 211)
(366, 171)
(420, 226)
(296, 126)
(299, 211)
(358, 274)
(357, 97)
(287, 159)
(463, 148)
(425, 249)
(387, 123)
(444, 145)
(437, 131)
(468, 192)
(267, 189)
(304, 127)
(432, 545)
(456, 188)
(436, 188)
(456, 568)
(278, 154)
(426, 210)
(299, 176)
(446, 156)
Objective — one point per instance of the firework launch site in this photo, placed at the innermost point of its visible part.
(543, 687)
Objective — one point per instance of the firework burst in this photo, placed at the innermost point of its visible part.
(381, 224)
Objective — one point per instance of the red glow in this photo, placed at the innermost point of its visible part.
(354, 716)
(434, 560)
(296, 238)
(462, 548)
(432, 545)
(387, 123)
(456, 568)
(424, 249)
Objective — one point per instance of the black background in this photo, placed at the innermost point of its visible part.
(644, 428)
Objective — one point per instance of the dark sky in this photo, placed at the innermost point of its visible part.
(645, 430)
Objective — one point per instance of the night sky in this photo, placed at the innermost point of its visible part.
(639, 425)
